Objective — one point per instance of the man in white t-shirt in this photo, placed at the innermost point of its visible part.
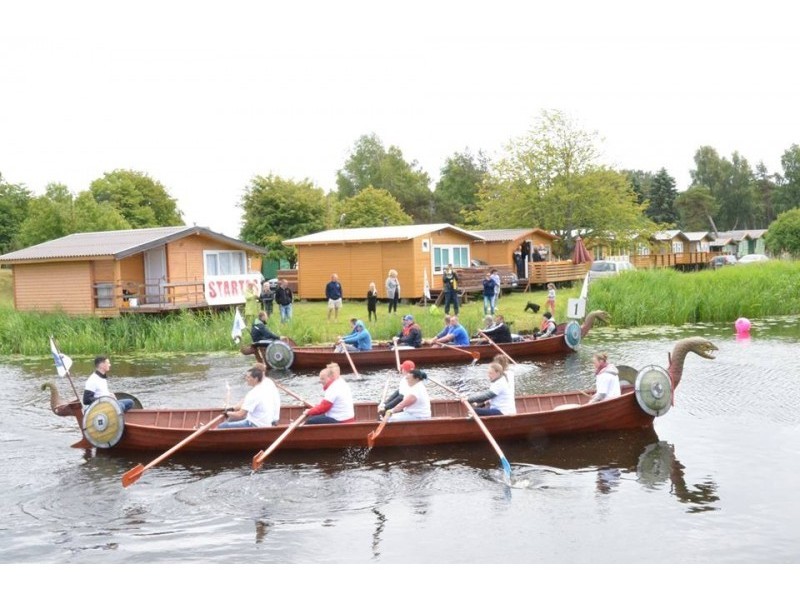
(261, 406)
(336, 405)
(97, 385)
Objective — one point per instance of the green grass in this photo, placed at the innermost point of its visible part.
(644, 297)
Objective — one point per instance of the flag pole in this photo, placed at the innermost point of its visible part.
(69, 377)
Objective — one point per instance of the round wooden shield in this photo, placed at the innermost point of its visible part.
(279, 355)
(103, 423)
(572, 334)
(654, 390)
(126, 396)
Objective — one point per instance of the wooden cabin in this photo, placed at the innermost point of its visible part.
(105, 273)
(363, 255)
(740, 242)
(498, 245)
(699, 241)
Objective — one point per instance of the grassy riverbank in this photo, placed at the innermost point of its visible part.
(657, 297)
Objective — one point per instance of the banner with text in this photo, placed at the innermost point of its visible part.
(230, 289)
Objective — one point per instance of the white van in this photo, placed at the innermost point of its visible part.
(607, 268)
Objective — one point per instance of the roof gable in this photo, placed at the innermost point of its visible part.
(116, 244)
(394, 233)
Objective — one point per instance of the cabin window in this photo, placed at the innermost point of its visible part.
(225, 262)
(677, 247)
(458, 256)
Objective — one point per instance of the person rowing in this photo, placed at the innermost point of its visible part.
(499, 398)
(454, 334)
(402, 388)
(336, 405)
(416, 404)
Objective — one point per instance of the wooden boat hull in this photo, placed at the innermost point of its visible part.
(312, 357)
(158, 429)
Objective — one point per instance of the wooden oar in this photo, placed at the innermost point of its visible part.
(481, 424)
(292, 394)
(475, 355)
(498, 348)
(377, 431)
(397, 354)
(136, 472)
(259, 458)
(350, 360)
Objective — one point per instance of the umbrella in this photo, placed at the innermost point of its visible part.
(580, 254)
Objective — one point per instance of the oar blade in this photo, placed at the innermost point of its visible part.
(371, 439)
(258, 460)
(133, 475)
(506, 467)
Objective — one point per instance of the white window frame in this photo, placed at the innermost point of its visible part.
(450, 250)
(228, 261)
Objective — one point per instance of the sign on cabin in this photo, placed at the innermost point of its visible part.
(229, 289)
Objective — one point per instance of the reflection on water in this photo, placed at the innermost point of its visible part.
(734, 427)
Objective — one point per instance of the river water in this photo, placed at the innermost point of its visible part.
(715, 481)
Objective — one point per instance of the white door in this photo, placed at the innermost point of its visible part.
(155, 275)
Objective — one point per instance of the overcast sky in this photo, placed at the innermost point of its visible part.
(203, 96)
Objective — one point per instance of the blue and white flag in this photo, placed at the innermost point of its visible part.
(63, 362)
(238, 326)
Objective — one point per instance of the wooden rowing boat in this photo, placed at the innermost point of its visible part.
(281, 355)
(538, 415)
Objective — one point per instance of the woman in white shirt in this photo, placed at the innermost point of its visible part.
(416, 403)
(498, 399)
(606, 378)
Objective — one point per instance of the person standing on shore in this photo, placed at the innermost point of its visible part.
(393, 290)
(333, 293)
(284, 298)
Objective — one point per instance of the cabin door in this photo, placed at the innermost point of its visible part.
(155, 275)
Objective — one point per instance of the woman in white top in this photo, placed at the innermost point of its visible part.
(416, 403)
(261, 406)
(393, 290)
(606, 378)
(498, 399)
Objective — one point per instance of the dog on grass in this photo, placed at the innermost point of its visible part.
(533, 307)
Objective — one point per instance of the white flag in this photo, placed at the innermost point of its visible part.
(63, 362)
(426, 286)
(238, 326)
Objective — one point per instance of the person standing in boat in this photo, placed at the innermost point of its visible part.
(416, 404)
(498, 399)
(606, 378)
(393, 290)
(97, 385)
(261, 406)
(411, 334)
(457, 335)
(359, 340)
(336, 405)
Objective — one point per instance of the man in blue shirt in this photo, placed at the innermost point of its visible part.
(455, 334)
(333, 292)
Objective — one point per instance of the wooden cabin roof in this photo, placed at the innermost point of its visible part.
(375, 234)
(511, 235)
(116, 244)
(698, 236)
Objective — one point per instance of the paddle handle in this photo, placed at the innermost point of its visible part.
(350, 360)
(397, 355)
(474, 355)
(498, 348)
(305, 402)
(259, 458)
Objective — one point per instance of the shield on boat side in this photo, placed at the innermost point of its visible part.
(103, 423)
(279, 355)
(572, 334)
(654, 390)
(126, 396)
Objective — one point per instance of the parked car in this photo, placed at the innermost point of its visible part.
(507, 278)
(722, 261)
(751, 258)
(608, 268)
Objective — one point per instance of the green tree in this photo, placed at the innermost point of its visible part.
(456, 193)
(276, 209)
(14, 200)
(783, 234)
(373, 208)
(370, 164)
(57, 213)
(663, 194)
(142, 201)
(731, 183)
(550, 179)
(640, 184)
(697, 208)
(764, 188)
(787, 196)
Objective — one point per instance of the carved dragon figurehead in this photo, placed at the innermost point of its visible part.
(59, 406)
(588, 322)
(700, 346)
